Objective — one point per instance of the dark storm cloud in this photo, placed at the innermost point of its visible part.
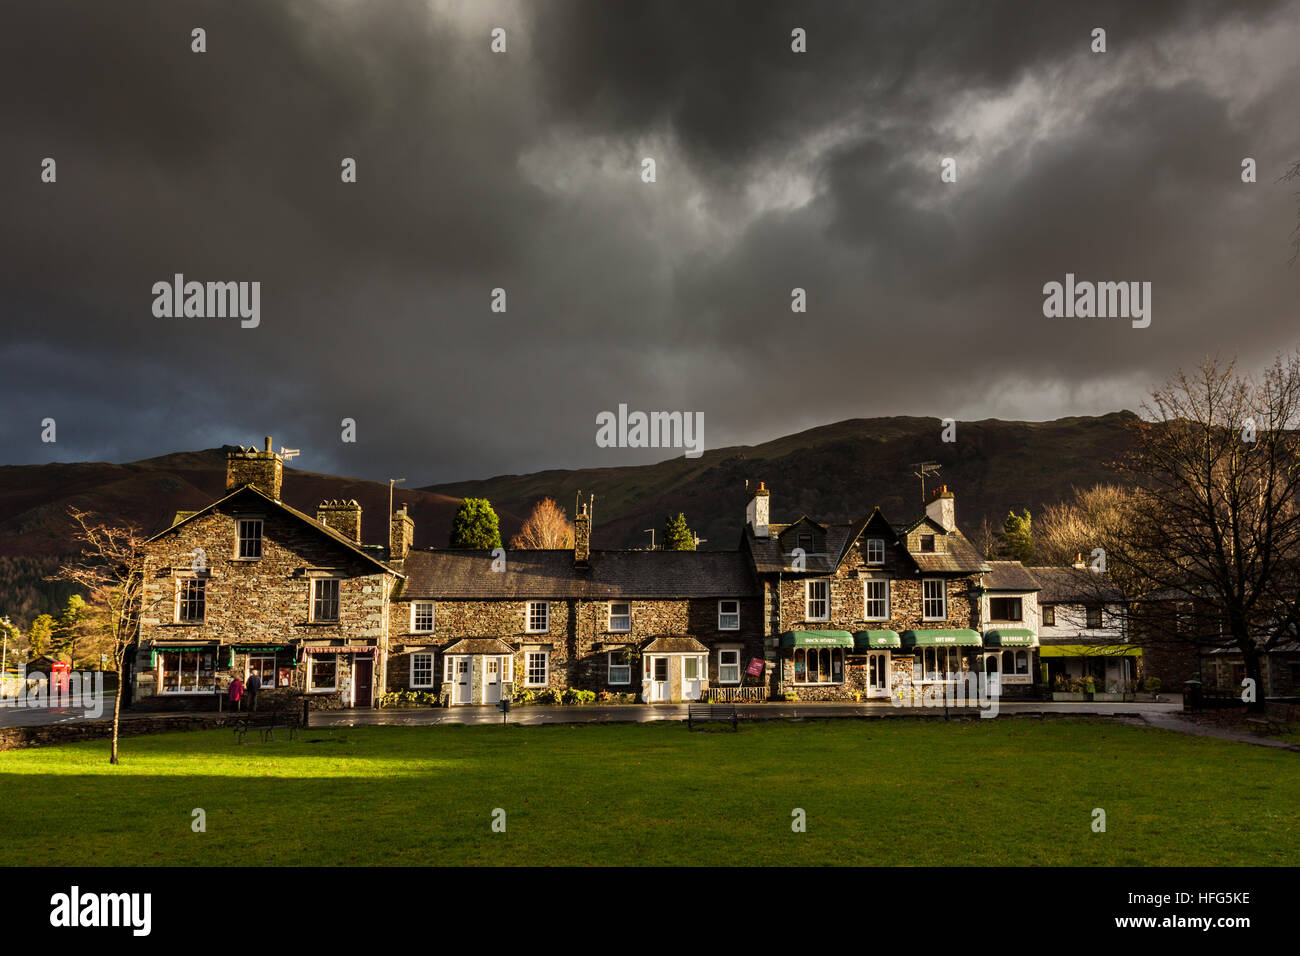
(521, 171)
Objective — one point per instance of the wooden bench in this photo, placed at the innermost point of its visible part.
(1265, 725)
(286, 715)
(710, 714)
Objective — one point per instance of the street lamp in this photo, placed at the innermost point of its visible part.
(652, 536)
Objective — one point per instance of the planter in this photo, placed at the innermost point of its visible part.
(1068, 695)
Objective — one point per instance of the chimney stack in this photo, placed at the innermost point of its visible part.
(582, 537)
(264, 470)
(343, 516)
(942, 508)
(401, 534)
(756, 512)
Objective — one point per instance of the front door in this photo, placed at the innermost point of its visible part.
(692, 677)
(491, 680)
(363, 672)
(878, 674)
(460, 690)
(658, 679)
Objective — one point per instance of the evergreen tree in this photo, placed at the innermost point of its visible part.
(475, 525)
(1017, 537)
(677, 536)
(40, 636)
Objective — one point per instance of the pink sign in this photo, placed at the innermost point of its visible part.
(755, 668)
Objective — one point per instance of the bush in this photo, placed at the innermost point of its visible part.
(791, 695)
(1153, 684)
(523, 695)
(551, 696)
(572, 695)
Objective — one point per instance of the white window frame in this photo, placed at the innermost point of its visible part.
(808, 599)
(448, 670)
(528, 617)
(275, 671)
(181, 581)
(312, 661)
(1003, 597)
(628, 616)
(528, 668)
(874, 545)
(926, 600)
(724, 665)
(338, 611)
(723, 616)
(415, 616)
(610, 673)
(951, 654)
(240, 538)
(198, 662)
(867, 599)
(1048, 610)
(835, 653)
(507, 668)
(701, 667)
(426, 656)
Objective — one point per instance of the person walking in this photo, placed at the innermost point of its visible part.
(252, 687)
(235, 692)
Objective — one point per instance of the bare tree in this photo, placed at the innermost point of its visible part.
(1212, 529)
(1088, 519)
(111, 569)
(547, 527)
(1291, 175)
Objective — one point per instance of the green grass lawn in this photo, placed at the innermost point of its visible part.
(897, 791)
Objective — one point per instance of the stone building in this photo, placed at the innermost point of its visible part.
(249, 585)
(873, 610)
(662, 626)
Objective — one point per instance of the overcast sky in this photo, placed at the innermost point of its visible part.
(522, 170)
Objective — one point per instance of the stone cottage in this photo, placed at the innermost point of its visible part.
(249, 585)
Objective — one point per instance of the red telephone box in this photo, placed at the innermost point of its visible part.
(60, 680)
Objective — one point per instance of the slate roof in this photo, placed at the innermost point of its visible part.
(1009, 576)
(769, 559)
(550, 575)
(675, 645)
(268, 500)
(958, 557)
(480, 645)
(1074, 586)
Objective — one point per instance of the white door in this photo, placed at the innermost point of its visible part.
(692, 678)
(491, 680)
(460, 690)
(658, 667)
(878, 674)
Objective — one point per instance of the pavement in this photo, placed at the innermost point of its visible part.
(1163, 715)
(646, 713)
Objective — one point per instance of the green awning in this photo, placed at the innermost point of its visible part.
(1009, 637)
(876, 640)
(1089, 650)
(816, 639)
(953, 637)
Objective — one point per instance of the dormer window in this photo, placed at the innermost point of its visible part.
(927, 543)
(875, 551)
(806, 542)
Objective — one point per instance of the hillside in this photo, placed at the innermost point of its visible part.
(835, 473)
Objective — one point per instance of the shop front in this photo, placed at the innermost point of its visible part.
(942, 655)
(1080, 669)
(814, 664)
